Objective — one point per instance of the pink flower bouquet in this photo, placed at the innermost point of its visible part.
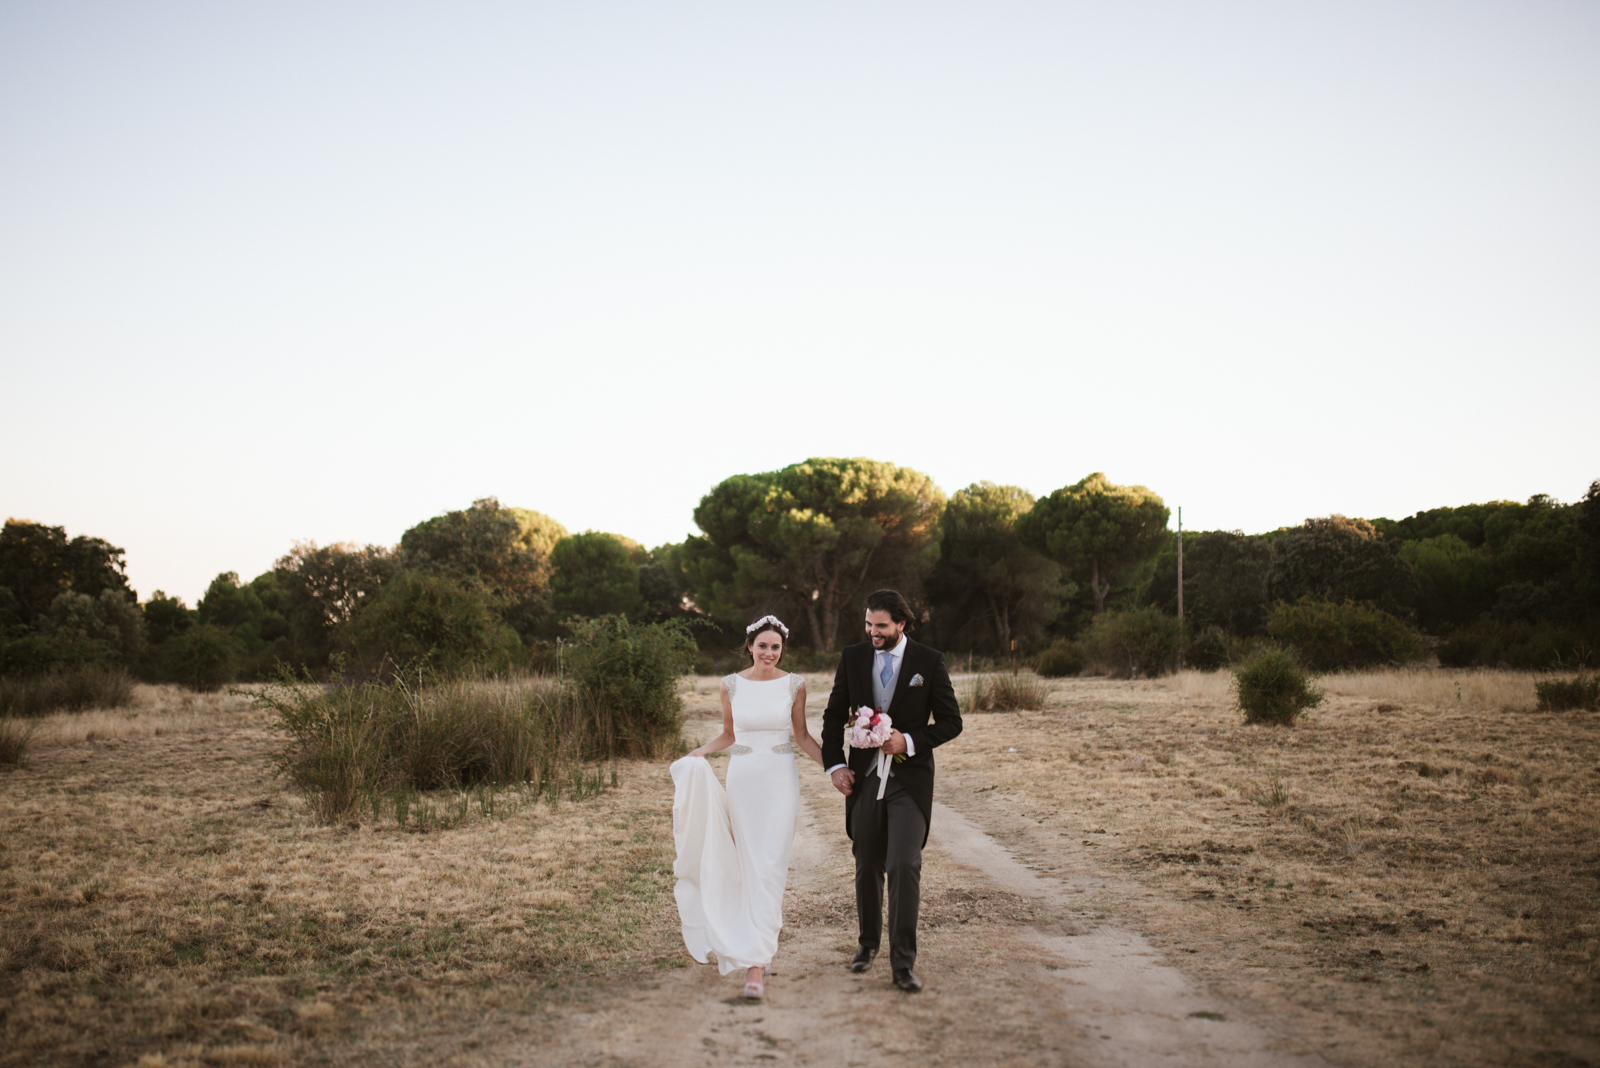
(868, 729)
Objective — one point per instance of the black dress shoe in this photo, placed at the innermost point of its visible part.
(863, 959)
(906, 980)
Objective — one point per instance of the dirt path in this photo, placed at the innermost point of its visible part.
(1117, 985)
(1016, 972)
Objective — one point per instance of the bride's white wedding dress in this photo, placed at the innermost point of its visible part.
(733, 845)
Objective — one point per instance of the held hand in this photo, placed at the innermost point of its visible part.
(843, 780)
(896, 743)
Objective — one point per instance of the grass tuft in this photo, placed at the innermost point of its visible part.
(15, 737)
(66, 690)
(1005, 692)
(1063, 658)
(378, 746)
(1565, 695)
(1273, 794)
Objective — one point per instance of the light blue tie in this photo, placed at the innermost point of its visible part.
(886, 672)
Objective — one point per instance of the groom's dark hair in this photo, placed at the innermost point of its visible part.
(892, 602)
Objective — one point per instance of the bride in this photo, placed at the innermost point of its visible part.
(733, 846)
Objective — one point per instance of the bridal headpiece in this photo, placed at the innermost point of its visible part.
(763, 621)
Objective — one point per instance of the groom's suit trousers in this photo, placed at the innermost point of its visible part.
(887, 836)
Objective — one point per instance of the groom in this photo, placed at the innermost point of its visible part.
(907, 680)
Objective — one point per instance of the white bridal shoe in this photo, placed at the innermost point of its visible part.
(756, 991)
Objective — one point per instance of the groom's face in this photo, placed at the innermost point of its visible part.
(883, 630)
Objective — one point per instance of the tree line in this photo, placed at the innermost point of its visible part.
(497, 587)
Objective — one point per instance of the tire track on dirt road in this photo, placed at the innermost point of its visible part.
(1116, 984)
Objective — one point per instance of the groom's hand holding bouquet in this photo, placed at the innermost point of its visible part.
(869, 728)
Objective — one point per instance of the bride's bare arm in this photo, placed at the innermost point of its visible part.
(802, 733)
(725, 739)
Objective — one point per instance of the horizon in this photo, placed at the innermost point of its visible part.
(246, 576)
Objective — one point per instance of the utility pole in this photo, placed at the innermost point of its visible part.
(1180, 588)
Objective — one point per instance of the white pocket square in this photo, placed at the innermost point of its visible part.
(916, 680)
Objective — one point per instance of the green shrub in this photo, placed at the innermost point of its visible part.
(264, 664)
(1129, 644)
(542, 657)
(1224, 579)
(1273, 688)
(630, 672)
(1328, 636)
(1063, 658)
(361, 747)
(1466, 647)
(1520, 646)
(110, 624)
(204, 657)
(15, 737)
(1207, 649)
(1005, 691)
(432, 622)
(68, 689)
(594, 574)
(166, 617)
(1455, 581)
(36, 653)
(1562, 695)
(1340, 559)
(318, 589)
(336, 752)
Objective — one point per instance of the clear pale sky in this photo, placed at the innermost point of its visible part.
(321, 270)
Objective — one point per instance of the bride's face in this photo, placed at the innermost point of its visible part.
(766, 649)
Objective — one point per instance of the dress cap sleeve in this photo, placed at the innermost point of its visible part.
(729, 683)
(795, 682)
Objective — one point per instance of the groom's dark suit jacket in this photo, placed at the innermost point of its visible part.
(928, 713)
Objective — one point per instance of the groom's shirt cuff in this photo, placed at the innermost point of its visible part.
(835, 768)
(911, 747)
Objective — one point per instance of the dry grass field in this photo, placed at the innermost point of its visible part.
(1411, 874)
(155, 711)
(165, 901)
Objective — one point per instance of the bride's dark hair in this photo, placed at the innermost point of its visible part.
(766, 624)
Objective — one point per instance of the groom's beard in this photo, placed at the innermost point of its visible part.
(880, 641)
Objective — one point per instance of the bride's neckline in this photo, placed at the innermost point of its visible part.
(746, 678)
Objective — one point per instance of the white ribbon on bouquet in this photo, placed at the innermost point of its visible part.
(883, 762)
